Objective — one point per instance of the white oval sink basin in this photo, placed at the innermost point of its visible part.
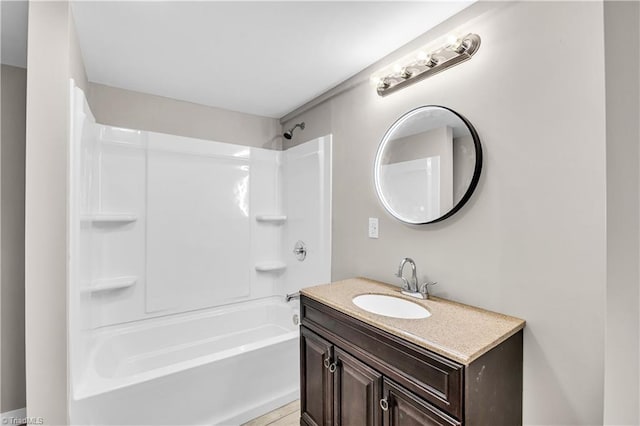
(390, 306)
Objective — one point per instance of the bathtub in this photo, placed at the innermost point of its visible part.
(217, 367)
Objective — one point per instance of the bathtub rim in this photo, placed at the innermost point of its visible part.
(177, 317)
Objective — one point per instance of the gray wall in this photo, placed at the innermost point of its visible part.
(14, 98)
(53, 57)
(622, 69)
(135, 110)
(532, 240)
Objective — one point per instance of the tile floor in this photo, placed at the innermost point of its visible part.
(289, 415)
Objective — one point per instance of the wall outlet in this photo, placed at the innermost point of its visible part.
(373, 227)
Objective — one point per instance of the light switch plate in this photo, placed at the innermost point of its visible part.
(373, 227)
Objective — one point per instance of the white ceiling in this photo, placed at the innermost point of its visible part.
(14, 32)
(264, 58)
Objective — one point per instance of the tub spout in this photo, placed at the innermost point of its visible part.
(290, 296)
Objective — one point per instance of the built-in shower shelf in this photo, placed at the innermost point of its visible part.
(271, 266)
(110, 284)
(272, 218)
(114, 218)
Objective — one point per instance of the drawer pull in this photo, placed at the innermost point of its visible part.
(332, 368)
(384, 404)
(326, 362)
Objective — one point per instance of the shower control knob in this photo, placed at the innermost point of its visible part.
(300, 250)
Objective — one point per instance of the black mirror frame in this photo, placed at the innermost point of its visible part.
(476, 171)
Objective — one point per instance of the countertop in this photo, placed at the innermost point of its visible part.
(459, 332)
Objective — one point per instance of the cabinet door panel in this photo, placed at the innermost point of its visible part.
(316, 386)
(357, 392)
(406, 409)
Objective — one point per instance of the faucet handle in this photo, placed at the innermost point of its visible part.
(424, 288)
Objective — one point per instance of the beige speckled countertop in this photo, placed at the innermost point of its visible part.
(459, 332)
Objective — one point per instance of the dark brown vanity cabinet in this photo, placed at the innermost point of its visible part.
(353, 373)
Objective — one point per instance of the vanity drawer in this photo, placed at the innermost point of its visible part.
(430, 376)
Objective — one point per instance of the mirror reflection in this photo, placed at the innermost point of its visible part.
(427, 165)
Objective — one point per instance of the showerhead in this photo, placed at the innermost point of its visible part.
(289, 133)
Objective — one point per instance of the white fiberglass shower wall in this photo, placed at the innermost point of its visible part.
(181, 253)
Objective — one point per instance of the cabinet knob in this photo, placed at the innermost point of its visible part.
(384, 404)
(326, 362)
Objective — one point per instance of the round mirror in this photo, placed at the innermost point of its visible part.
(427, 165)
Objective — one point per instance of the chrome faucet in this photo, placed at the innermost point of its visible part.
(411, 287)
(290, 296)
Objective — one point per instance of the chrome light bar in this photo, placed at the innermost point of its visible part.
(423, 64)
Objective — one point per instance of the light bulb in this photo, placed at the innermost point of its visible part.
(375, 80)
(456, 44)
(384, 83)
(406, 72)
(422, 56)
(397, 68)
(452, 40)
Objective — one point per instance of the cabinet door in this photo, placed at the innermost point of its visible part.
(357, 392)
(406, 409)
(316, 385)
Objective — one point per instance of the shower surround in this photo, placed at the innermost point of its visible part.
(181, 253)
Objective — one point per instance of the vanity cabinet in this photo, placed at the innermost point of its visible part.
(353, 373)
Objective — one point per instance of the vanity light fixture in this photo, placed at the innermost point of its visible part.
(423, 64)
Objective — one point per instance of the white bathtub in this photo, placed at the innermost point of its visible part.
(217, 367)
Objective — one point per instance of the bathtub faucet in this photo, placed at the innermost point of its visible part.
(290, 296)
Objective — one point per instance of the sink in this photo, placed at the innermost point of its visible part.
(390, 306)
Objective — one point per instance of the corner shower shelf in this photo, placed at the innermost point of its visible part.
(110, 284)
(273, 218)
(271, 266)
(115, 218)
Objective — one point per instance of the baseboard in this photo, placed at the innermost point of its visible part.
(13, 417)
